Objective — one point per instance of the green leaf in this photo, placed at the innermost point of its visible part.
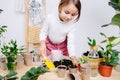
(13, 78)
(32, 71)
(94, 42)
(116, 20)
(1, 77)
(1, 10)
(89, 39)
(105, 25)
(115, 42)
(24, 78)
(90, 44)
(103, 34)
(11, 73)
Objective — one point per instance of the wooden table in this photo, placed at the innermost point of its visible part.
(53, 76)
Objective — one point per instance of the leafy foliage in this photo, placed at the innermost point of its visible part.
(2, 30)
(34, 73)
(116, 18)
(83, 60)
(115, 4)
(111, 56)
(10, 76)
(91, 42)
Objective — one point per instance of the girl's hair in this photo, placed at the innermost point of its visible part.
(77, 4)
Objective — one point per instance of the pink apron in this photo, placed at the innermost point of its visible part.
(61, 46)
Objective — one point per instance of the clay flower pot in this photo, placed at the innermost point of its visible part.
(61, 71)
(105, 70)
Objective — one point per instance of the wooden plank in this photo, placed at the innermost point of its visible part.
(27, 25)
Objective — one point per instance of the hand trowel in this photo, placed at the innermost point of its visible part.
(49, 63)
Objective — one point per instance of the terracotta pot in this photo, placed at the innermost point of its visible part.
(105, 70)
(61, 71)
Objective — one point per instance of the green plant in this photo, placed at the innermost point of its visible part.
(116, 18)
(83, 60)
(2, 30)
(34, 73)
(61, 61)
(91, 42)
(10, 76)
(11, 50)
(110, 56)
(1, 10)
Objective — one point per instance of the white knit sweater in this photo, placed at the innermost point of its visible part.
(57, 31)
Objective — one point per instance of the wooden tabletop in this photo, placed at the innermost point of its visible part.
(53, 76)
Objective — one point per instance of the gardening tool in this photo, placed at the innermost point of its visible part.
(48, 63)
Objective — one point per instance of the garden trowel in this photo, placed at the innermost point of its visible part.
(49, 63)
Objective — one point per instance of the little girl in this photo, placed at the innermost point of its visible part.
(57, 31)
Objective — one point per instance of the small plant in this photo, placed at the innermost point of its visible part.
(2, 30)
(34, 73)
(11, 50)
(61, 61)
(91, 42)
(83, 60)
(10, 76)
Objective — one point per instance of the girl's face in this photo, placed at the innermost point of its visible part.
(68, 12)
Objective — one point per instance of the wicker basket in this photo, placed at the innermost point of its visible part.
(34, 34)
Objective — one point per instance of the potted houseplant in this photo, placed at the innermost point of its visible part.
(11, 50)
(61, 69)
(110, 55)
(93, 57)
(84, 68)
(115, 4)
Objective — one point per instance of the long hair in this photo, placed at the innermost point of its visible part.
(77, 4)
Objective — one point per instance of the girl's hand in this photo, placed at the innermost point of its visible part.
(74, 60)
(42, 49)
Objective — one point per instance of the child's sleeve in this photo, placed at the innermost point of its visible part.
(44, 30)
(71, 43)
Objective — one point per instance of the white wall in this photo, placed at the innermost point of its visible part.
(14, 20)
(94, 14)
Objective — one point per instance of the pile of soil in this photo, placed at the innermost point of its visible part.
(65, 62)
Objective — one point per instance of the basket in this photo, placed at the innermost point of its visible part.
(34, 34)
